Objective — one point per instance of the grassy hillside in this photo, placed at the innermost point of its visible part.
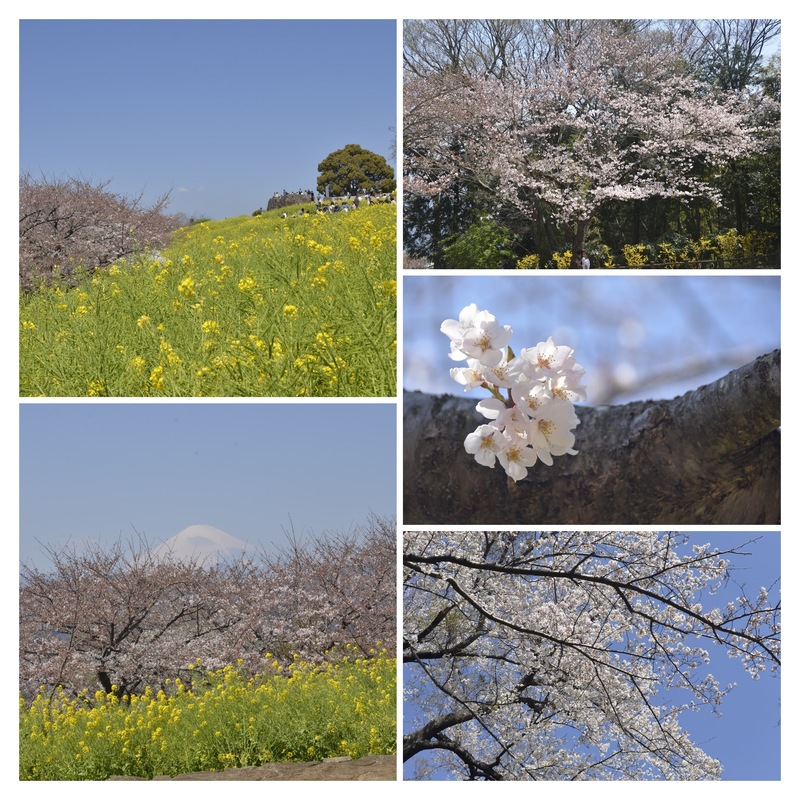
(248, 306)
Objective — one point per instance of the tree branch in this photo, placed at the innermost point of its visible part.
(711, 456)
(417, 741)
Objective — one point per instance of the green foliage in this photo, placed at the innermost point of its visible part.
(483, 245)
(305, 712)
(354, 170)
(249, 306)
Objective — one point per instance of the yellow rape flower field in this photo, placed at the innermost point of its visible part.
(301, 712)
(249, 306)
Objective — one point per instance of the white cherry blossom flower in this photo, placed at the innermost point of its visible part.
(549, 360)
(531, 396)
(516, 457)
(485, 443)
(500, 374)
(487, 342)
(470, 376)
(550, 431)
(491, 407)
(477, 334)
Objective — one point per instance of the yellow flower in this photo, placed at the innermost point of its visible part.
(143, 320)
(259, 344)
(157, 377)
(186, 286)
(210, 326)
(290, 311)
(27, 325)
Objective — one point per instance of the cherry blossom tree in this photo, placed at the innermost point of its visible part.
(125, 617)
(560, 655)
(69, 223)
(609, 112)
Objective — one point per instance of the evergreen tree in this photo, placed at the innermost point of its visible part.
(354, 170)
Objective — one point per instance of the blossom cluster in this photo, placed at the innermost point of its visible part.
(536, 418)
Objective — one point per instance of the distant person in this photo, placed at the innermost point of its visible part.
(585, 263)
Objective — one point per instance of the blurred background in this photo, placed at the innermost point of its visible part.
(638, 336)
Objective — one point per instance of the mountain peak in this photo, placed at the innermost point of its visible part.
(204, 543)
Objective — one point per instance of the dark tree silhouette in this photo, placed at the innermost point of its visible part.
(711, 456)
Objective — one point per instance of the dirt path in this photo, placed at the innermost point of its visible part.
(368, 768)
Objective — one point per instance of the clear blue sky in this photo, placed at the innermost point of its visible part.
(221, 112)
(642, 325)
(95, 472)
(746, 738)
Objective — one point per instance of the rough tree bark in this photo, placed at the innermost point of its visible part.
(710, 457)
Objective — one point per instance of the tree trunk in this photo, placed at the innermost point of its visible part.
(710, 457)
(578, 230)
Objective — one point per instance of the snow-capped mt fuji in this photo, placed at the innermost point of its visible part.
(204, 543)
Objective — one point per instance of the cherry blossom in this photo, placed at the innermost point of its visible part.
(478, 335)
(485, 443)
(471, 375)
(570, 655)
(143, 619)
(605, 115)
(536, 418)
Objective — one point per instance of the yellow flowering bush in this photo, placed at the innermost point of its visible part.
(529, 262)
(634, 254)
(563, 260)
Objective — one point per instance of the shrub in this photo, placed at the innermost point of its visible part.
(635, 255)
(529, 262)
(484, 245)
(563, 260)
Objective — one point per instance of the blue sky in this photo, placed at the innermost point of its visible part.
(221, 112)
(96, 472)
(746, 737)
(637, 327)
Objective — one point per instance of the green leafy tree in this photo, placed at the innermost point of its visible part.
(484, 245)
(354, 170)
